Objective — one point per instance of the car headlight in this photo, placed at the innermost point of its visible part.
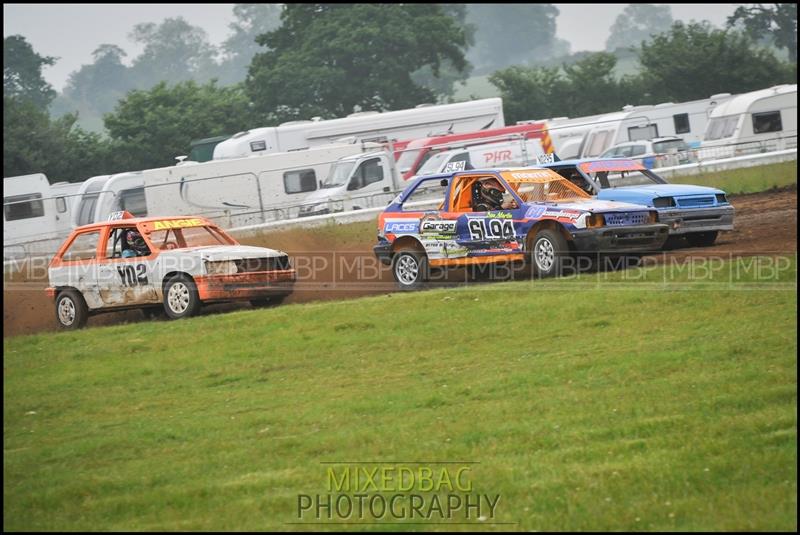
(595, 220)
(226, 267)
(663, 202)
(721, 198)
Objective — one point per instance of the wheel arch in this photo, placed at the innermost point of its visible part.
(406, 243)
(548, 224)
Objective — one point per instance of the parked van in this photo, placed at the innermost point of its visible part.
(422, 121)
(759, 121)
(36, 214)
(517, 153)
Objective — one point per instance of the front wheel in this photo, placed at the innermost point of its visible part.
(410, 269)
(181, 299)
(702, 239)
(548, 250)
(71, 310)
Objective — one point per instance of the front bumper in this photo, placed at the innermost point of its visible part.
(685, 220)
(244, 286)
(634, 238)
(383, 251)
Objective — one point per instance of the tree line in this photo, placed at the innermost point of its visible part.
(329, 60)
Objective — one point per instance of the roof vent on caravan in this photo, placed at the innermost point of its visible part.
(665, 104)
(423, 105)
(316, 119)
(558, 119)
(627, 107)
(302, 121)
(237, 135)
(720, 95)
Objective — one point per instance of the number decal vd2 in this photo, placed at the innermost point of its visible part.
(133, 275)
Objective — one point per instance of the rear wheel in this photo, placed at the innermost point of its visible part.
(71, 310)
(410, 269)
(547, 252)
(181, 299)
(702, 239)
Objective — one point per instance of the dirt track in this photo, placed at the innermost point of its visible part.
(766, 223)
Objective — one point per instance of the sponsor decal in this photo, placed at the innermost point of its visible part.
(562, 214)
(398, 227)
(436, 225)
(536, 174)
(535, 211)
(499, 215)
(178, 223)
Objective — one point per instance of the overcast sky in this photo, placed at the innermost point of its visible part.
(72, 31)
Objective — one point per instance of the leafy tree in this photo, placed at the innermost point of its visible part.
(22, 72)
(150, 128)
(531, 93)
(776, 21)
(512, 34)
(332, 59)
(637, 23)
(251, 21)
(174, 51)
(33, 143)
(694, 61)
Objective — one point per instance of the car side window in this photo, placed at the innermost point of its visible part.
(637, 150)
(116, 245)
(83, 247)
(428, 193)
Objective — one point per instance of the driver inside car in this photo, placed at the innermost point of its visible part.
(134, 245)
(488, 195)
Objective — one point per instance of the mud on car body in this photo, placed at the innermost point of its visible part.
(695, 212)
(544, 219)
(169, 264)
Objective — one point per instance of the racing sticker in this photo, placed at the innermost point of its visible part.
(535, 211)
(401, 227)
(435, 225)
(133, 275)
(491, 229)
(177, 223)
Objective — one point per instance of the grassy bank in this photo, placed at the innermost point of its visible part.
(611, 402)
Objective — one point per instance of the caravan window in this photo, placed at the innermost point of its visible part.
(299, 181)
(721, 127)
(597, 143)
(86, 209)
(23, 206)
(133, 201)
(681, 123)
(767, 122)
(61, 205)
(638, 133)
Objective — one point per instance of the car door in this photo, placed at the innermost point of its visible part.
(78, 267)
(125, 281)
(484, 233)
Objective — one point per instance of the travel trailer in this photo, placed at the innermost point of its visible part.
(759, 121)
(422, 121)
(35, 214)
(101, 195)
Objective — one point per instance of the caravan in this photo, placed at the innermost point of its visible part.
(104, 194)
(422, 121)
(759, 121)
(35, 214)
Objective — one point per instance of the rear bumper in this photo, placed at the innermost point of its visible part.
(244, 286)
(685, 220)
(635, 238)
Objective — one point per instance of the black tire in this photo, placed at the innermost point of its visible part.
(410, 269)
(71, 310)
(547, 252)
(268, 301)
(181, 299)
(702, 239)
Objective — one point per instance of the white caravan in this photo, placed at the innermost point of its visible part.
(104, 194)
(35, 214)
(244, 191)
(422, 121)
(567, 134)
(759, 121)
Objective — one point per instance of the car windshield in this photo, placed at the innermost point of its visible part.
(669, 145)
(433, 164)
(540, 185)
(626, 178)
(181, 238)
(339, 174)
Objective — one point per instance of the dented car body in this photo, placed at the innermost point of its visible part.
(174, 263)
(544, 218)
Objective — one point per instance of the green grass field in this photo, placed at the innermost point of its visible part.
(609, 402)
(746, 180)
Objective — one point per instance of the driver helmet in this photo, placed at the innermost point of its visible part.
(135, 242)
(488, 195)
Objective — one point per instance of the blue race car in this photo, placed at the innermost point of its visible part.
(696, 212)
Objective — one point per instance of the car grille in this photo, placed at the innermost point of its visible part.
(626, 218)
(271, 263)
(695, 202)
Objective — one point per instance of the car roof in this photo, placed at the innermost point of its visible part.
(136, 221)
